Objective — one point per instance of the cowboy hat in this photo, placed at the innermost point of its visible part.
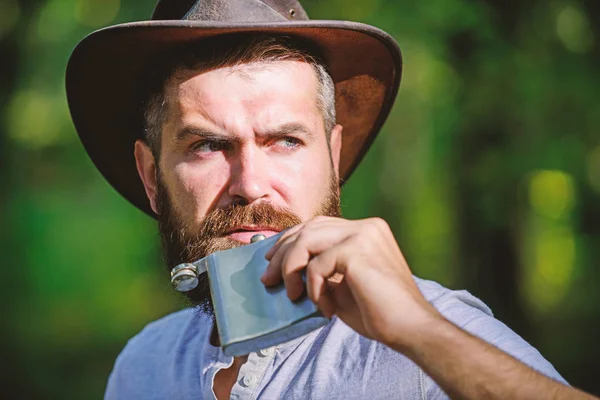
(102, 76)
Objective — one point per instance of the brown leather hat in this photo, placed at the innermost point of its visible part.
(105, 68)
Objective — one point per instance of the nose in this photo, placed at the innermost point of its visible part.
(249, 176)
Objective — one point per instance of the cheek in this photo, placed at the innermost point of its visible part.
(195, 189)
(303, 183)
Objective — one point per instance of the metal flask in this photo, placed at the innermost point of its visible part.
(249, 316)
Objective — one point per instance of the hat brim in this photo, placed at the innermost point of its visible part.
(102, 85)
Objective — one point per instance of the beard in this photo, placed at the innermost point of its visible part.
(185, 241)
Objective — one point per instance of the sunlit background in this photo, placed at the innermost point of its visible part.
(488, 171)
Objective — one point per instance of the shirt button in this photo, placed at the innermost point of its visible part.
(267, 352)
(249, 381)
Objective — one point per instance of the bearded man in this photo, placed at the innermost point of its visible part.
(244, 117)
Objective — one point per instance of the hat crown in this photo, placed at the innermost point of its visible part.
(230, 10)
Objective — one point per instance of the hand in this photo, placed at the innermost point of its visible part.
(354, 269)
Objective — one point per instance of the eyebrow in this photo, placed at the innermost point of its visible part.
(287, 129)
(283, 130)
(202, 133)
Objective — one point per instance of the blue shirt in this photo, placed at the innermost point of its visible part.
(172, 358)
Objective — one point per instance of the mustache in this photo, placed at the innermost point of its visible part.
(221, 221)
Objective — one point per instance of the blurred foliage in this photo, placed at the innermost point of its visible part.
(488, 171)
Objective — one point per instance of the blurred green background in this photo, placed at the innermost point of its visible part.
(488, 171)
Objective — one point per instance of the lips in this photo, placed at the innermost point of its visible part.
(244, 234)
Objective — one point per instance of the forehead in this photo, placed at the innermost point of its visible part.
(252, 86)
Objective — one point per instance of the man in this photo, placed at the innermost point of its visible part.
(249, 122)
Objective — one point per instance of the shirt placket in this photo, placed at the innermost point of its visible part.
(252, 373)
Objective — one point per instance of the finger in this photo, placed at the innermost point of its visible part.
(272, 274)
(329, 288)
(282, 239)
(294, 284)
(325, 271)
(297, 228)
(316, 275)
(296, 256)
(327, 305)
(325, 233)
(321, 296)
(317, 289)
(347, 308)
(298, 251)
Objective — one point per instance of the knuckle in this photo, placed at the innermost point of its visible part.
(378, 224)
(285, 246)
(285, 240)
(303, 238)
(370, 230)
(290, 265)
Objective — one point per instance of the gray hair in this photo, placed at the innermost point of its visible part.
(232, 51)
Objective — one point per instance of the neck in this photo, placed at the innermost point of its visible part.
(225, 378)
(214, 336)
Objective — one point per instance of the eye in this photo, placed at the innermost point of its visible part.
(289, 142)
(207, 146)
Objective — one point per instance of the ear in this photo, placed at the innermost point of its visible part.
(336, 148)
(146, 166)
